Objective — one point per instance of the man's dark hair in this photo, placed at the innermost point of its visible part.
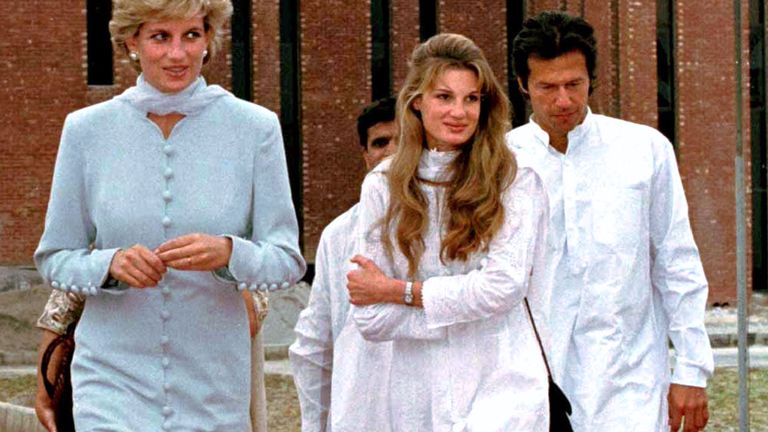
(549, 35)
(382, 110)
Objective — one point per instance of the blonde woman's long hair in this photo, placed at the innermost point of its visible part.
(479, 174)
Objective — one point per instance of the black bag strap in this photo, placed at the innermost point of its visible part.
(45, 363)
(66, 340)
(538, 339)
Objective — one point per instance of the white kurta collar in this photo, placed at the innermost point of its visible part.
(435, 165)
(582, 130)
(574, 136)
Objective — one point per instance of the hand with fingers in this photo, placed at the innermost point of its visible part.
(196, 252)
(367, 284)
(137, 266)
(687, 405)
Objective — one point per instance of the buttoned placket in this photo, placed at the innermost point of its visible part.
(569, 185)
(573, 188)
(168, 151)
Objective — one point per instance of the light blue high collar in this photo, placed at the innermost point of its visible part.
(190, 101)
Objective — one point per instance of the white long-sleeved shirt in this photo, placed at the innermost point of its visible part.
(338, 374)
(625, 272)
(469, 359)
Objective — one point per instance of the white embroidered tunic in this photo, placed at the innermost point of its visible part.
(626, 273)
(469, 359)
(339, 375)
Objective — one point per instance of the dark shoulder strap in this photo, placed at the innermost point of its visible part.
(46, 361)
(66, 340)
(538, 339)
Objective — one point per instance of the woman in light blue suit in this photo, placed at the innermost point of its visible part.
(166, 201)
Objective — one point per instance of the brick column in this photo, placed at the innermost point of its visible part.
(219, 68)
(604, 17)
(637, 63)
(266, 53)
(575, 7)
(404, 36)
(336, 73)
(536, 6)
(486, 25)
(707, 133)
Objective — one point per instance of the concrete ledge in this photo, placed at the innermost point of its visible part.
(18, 278)
(14, 418)
(275, 352)
(17, 358)
(726, 340)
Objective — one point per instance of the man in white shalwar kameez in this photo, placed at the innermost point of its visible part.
(338, 374)
(625, 271)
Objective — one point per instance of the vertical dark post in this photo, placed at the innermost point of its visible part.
(100, 67)
(758, 139)
(381, 55)
(242, 50)
(665, 68)
(427, 19)
(516, 14)
(290, 99)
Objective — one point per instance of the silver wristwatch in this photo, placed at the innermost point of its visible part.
(408, 294)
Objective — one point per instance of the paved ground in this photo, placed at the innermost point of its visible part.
(728, 357)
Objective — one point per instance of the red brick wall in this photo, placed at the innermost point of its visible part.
(44, 78)
(405, 37)
(486, 26)
(266, 54)
(41, 65)
(536, 6)
(637, 63)
(335, 86)
(707, 134)
(606, 98)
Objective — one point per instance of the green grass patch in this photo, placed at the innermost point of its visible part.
(283, 413)
(724, 400)
(17, 390)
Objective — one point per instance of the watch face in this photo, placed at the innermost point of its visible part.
(408, 294)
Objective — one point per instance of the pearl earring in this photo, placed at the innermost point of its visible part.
(205, 53)
(134, 55)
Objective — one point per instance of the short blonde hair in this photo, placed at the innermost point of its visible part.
(129, 15)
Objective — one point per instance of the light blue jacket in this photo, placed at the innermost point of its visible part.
(175, 357)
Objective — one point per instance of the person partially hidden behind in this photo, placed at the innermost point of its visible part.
(625, 271)
(327, 382)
